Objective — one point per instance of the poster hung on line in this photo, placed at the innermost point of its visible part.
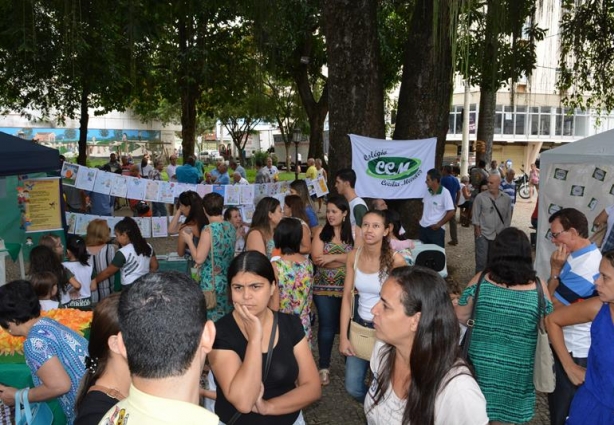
(391, 169)
(41, 198)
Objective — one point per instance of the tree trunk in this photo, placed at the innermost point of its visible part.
(189, 89)
(83, 123)
(355, 90)
(426, 87)
(490, 81)
(316, 112)
(188, 121)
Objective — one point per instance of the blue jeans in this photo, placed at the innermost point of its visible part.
(329, 310)
(559, 401)
(437, 237)
(355, 374)
(159, 209)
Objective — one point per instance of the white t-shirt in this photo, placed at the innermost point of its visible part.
(83, 274)
(436, 205)
(171, 170)
(131, 265)
(461, 402)
(47, 305)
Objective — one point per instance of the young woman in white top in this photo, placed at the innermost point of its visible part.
(80, 266)
(366, 269)
(134, 259)
(418, 377)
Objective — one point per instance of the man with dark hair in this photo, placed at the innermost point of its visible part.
(574, 267)
(453, 185)
(237, 168)
(187, 173)
(491, 214)
(437, 211)
(165, 336)
(345, 181)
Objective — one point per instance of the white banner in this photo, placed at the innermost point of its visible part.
(391, 169)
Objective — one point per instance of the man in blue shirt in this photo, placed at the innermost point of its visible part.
(237, 168)
(508, 186)
(187, 173)
(452, 184)
(224, 178)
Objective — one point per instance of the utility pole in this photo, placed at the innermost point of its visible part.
(465, 143)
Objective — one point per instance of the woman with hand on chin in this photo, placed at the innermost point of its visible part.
(418, 377)
(247, 391)
(367, 268)
(593, 403)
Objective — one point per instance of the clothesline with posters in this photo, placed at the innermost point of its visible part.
(107, 183)
(94, 180)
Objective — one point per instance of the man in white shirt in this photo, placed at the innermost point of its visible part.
(438, 209)
(161, 309)
(237, 179)
(273, 171)
(171, 169)
(345, 181)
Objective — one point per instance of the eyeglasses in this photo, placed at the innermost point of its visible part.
(557, 234)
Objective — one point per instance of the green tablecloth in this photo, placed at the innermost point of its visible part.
(17, 375)
(180, 266)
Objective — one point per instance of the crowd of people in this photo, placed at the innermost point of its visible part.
(243, 318)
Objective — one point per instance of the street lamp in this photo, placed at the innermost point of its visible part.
(296, 138)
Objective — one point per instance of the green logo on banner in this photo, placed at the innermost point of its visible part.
(393, 167)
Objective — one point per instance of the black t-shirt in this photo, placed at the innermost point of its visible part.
(283, 371)
(94, 406)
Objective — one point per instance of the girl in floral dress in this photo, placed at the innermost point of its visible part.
(294, 274)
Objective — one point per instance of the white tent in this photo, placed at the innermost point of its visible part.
(576, 175)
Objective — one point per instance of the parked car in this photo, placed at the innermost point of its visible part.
(210, 156)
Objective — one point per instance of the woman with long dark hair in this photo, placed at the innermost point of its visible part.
(294, 207)
(329, 251)
(107, 377)
(190, 206)
(44, 259)
(264, 221)
(134, 259)
(502, 347)
(367, 268)
(245, 338)
(418, 376)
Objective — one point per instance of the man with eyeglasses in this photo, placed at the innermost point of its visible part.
(574, 267)
(491, 214)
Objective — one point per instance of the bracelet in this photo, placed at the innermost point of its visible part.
(553, 277)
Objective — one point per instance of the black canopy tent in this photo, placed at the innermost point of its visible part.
(19, 156)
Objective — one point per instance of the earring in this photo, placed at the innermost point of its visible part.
(343, 221)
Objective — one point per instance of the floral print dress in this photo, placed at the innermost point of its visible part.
(295, 294)
(223, 248)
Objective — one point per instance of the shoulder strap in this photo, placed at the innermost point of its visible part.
(267, 366)
(471, 321)
(356, 257)
(497, 209)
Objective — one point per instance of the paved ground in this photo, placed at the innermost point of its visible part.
(335, 406)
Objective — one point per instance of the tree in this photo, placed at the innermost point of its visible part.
(187, 41)
(355, 89)
(586, 59)
(499, 49)
(289, 35)
(51, 59)
(286, 110)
